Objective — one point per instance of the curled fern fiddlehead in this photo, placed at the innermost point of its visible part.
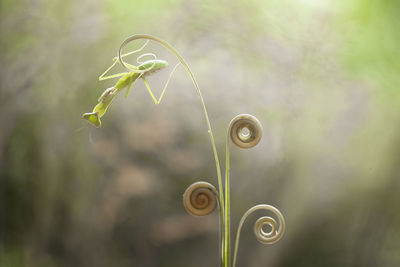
(245, 131)
(200, 199)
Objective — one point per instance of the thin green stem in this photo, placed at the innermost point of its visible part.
(214, 148)
(227, 220)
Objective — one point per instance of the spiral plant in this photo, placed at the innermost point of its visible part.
(200, 198)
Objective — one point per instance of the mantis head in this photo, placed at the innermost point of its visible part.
(93, 118)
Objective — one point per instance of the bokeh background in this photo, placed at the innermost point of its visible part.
(321, 76)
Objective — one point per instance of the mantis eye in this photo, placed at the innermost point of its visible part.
(245, 131)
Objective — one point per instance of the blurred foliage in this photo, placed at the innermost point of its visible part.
(322, 77)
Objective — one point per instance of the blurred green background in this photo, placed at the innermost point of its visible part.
(321, 76)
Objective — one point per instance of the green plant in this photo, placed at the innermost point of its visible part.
(200, 198)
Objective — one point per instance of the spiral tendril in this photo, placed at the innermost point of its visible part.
(271, 237)
(261, 235)
(245, 130)
(200, 198)
(139, 58)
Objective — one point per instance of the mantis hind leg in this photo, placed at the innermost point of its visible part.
(158, 101)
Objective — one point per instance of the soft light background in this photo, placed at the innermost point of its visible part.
(321, 76)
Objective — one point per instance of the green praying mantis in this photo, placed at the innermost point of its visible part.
(127, 80)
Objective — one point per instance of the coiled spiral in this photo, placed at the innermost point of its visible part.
(267, 237)
(271, 237)
(245, 130)
(200, 198)
(277, 229)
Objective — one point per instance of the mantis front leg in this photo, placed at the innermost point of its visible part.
(102, 77)
(115, 59)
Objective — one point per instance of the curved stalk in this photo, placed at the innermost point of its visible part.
(227, 219)
(180, 58)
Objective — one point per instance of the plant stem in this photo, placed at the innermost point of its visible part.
(227, 230)
(224, 244)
